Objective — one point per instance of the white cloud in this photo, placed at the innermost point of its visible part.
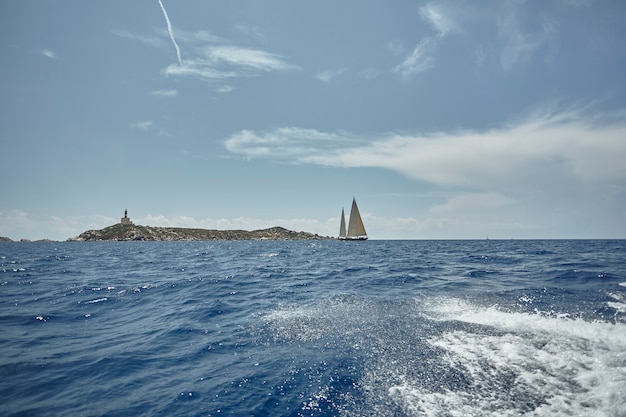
(517, 42)
(246, 58)
(225, 89)
(19, 224)
(517, 47)
(165, 93)
(542, 152)
(144, 125)
(396, 47)
(328, 75)
(48, 53)
(202, 37)
(419, 60)
(161, 38)
(522, 32)
(198, 69)
(435, 15)
(250, 31)
(146, 40)
(468, 202)
(211, 58)
(227, 61)
(283, 142)
(558, 173)
(369, 73)
(322, 227)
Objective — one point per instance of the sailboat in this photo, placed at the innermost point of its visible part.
(356, 230)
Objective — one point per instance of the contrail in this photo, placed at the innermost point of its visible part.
(171, 32)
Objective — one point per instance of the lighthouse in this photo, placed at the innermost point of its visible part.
(125, 219)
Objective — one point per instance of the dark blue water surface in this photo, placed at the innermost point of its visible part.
(313, 328)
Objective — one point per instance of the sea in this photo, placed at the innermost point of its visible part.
(313, 328)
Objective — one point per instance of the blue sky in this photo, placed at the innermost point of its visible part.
(446, 119)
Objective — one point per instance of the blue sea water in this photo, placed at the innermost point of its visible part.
(313, 328)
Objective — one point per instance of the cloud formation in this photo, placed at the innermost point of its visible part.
(165, 93)
(435, 15)
(328, 75)
(286, 142)
(225, 88)
(554, 148)
(250, 31)
(143, 125)
(520, 33)
(238, 223)
(221, 62)
(517, 42)
(48, 53)
(468, 202)
(155, 41)
(212, 58)
(19, 224)
(419, 60)
(245, 58)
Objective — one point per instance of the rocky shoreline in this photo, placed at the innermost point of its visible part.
(129, 232)
(8, 239)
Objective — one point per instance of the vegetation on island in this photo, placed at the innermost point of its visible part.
(8, 239)
(124, 232)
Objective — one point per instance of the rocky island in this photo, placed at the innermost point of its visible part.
(123, 232)
(127, 230)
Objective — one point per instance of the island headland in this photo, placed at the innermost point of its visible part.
(126, 230)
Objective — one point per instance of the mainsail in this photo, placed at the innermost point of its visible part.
(356, 230)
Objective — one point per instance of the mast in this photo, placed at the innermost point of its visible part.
(342, 227)
(356, 230)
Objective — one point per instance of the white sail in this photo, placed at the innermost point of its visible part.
(342, 226)
(356, 230)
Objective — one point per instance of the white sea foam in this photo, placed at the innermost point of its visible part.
(98, 300)
(619, 304)
(471, 360)
(619, 307)
(565, 366)
(298, 324)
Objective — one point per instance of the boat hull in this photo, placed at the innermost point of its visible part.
(353, 238)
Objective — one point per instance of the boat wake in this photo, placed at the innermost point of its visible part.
(449, 357)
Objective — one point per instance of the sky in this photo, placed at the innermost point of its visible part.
(445, 119)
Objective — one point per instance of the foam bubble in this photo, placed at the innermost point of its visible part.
(98, 300)
(562, 366)
(619, 305)
(301, 324)
(452, 357)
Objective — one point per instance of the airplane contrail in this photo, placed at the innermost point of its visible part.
(171, 32)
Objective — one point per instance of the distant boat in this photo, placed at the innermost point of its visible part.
(356, 230)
